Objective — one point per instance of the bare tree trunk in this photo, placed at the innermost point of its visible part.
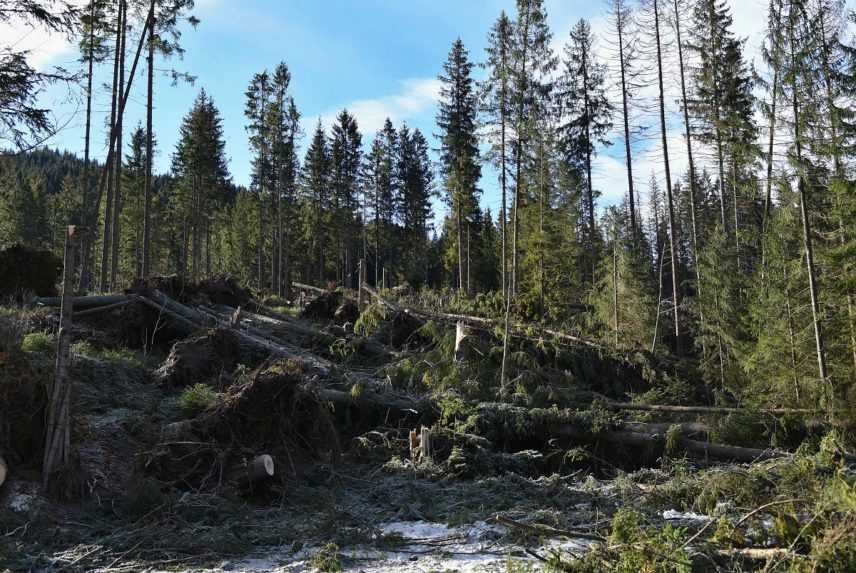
(117, 199)
(458, 223)
(503, 181)
(615, 281)
(147, 187)
(768, 197)
(85, 188)
(662, 257)
(672, 230)
(791, 335)
(469, 260)
(58, 424)
(116, 97)
(626, 116)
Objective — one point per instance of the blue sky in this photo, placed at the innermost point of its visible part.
(374, 57)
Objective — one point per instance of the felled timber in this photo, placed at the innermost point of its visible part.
(612, 405)
(519, 330)
(84, 301)
(304, 286)
(249, 474)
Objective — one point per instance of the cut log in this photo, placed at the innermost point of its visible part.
(686, 428)
(187, 312)
(84, 301)
(701, 409)
(4, 471)
(180, 321)
(695, 447)
(105, 308)
(178, 432)
(311, 288)
(252, 473)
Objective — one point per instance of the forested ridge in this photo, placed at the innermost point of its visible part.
(359, 298)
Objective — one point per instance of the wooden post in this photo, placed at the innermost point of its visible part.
(58, 431)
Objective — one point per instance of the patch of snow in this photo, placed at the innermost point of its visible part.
(674, 515)
(23, 496)
(471, 548)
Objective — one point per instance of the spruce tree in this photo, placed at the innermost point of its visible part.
(459, 152)
(586, 115)
(496, 115)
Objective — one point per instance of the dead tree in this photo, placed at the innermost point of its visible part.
(58, 430)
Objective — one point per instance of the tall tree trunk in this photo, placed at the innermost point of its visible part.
(503, 182)
(117, 199)
(735, 208)
(541, 242)
(768, 196)
(626, 117)
(615, 281)
(262, 175)
(806, 224)
(459, 223)
(147, 185)
(517, 188)
(791, 335)
(85, 187)
(589, 189)
(116, 97)
(676, 300)
(377, 228)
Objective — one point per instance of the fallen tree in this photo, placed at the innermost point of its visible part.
(518, 330)
(612, 405)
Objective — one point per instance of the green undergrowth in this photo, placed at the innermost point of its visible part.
(38, 342)
(197, 398)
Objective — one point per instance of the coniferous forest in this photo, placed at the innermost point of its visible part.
(363, 362)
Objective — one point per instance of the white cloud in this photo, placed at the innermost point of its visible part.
(44, 47)
(416, 97)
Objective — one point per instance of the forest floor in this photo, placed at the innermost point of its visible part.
(544, 480)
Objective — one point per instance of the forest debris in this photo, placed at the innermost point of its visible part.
(519, 330)
(347, 312)
(25, 270)
(541, 529)
(199, 358)
(214, 290)
(322, 307)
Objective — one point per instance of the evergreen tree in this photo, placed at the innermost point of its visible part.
(459, 152)
(316, 201)
(586, 113)
(201, 173)
(496, 110)
(345, 159)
